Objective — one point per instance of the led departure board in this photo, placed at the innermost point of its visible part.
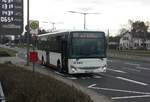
(11, 17)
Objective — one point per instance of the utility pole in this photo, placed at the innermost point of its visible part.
(84, 14)
(28, 32)
(84, 21)
(108, 39)
(53, 23)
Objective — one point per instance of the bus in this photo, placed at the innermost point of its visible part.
(74, 52)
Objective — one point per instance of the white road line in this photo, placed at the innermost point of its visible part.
(143, 68)
(59, 73)
(85, 77)
(91, 86)
(131, 69)
(119, 71)
(133, 64)
(129, 97)
(97, 77)
(72, 78)
(117, 90)
(132, 81)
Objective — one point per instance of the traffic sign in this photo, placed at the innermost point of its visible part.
(33, 56)
(34, 27)
(11, 17)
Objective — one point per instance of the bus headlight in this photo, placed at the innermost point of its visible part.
(73, 68)
(104, 68)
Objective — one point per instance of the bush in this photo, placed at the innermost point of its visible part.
(4, 52)
(21, 85)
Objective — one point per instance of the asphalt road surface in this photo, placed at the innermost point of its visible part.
(124, 81)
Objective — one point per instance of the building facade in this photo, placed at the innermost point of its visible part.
(128, 41)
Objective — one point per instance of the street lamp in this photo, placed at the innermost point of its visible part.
(28, 31)
(84, 14)
(53, 24)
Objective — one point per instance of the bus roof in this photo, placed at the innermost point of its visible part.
(60, 32)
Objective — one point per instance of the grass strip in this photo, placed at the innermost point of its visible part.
(131, 52)
(4, 52)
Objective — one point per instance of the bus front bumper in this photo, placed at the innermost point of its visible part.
(98, 69)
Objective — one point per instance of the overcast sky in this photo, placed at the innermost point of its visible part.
(114, 14)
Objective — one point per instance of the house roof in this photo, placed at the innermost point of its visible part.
(127, 32)
(136, 35)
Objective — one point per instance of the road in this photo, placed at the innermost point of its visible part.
(124, 81)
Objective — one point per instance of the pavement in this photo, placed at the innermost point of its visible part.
(96, 97)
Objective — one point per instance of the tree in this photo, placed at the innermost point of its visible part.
(140, 30)
(114, 39)
(123, 31)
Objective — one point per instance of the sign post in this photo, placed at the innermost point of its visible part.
(34, 28)
(33, 58)
(11, 17)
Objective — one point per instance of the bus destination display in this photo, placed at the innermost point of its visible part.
(11, 17)
(88, 35)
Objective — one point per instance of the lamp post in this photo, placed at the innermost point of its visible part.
(53, 24)
(84, 14)
(28, 32)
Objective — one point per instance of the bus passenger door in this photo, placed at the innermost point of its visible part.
(47, 57)
(64, 55)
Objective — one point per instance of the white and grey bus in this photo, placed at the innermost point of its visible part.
(74, 52)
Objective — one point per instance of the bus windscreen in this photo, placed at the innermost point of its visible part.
(83, 47)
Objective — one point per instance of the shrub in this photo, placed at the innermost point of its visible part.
(21, 85)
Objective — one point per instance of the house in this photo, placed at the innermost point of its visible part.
(113, 45)
(130, 41)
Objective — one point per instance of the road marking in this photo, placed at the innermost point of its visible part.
(133, 64)
(132, 81)
(72, 78)
(129, 97)
(131, 69)
(119, 71)
(97, 77)
(59, 73)
(143, 68)
(92, 86)
(85, 77)
(117, 90)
